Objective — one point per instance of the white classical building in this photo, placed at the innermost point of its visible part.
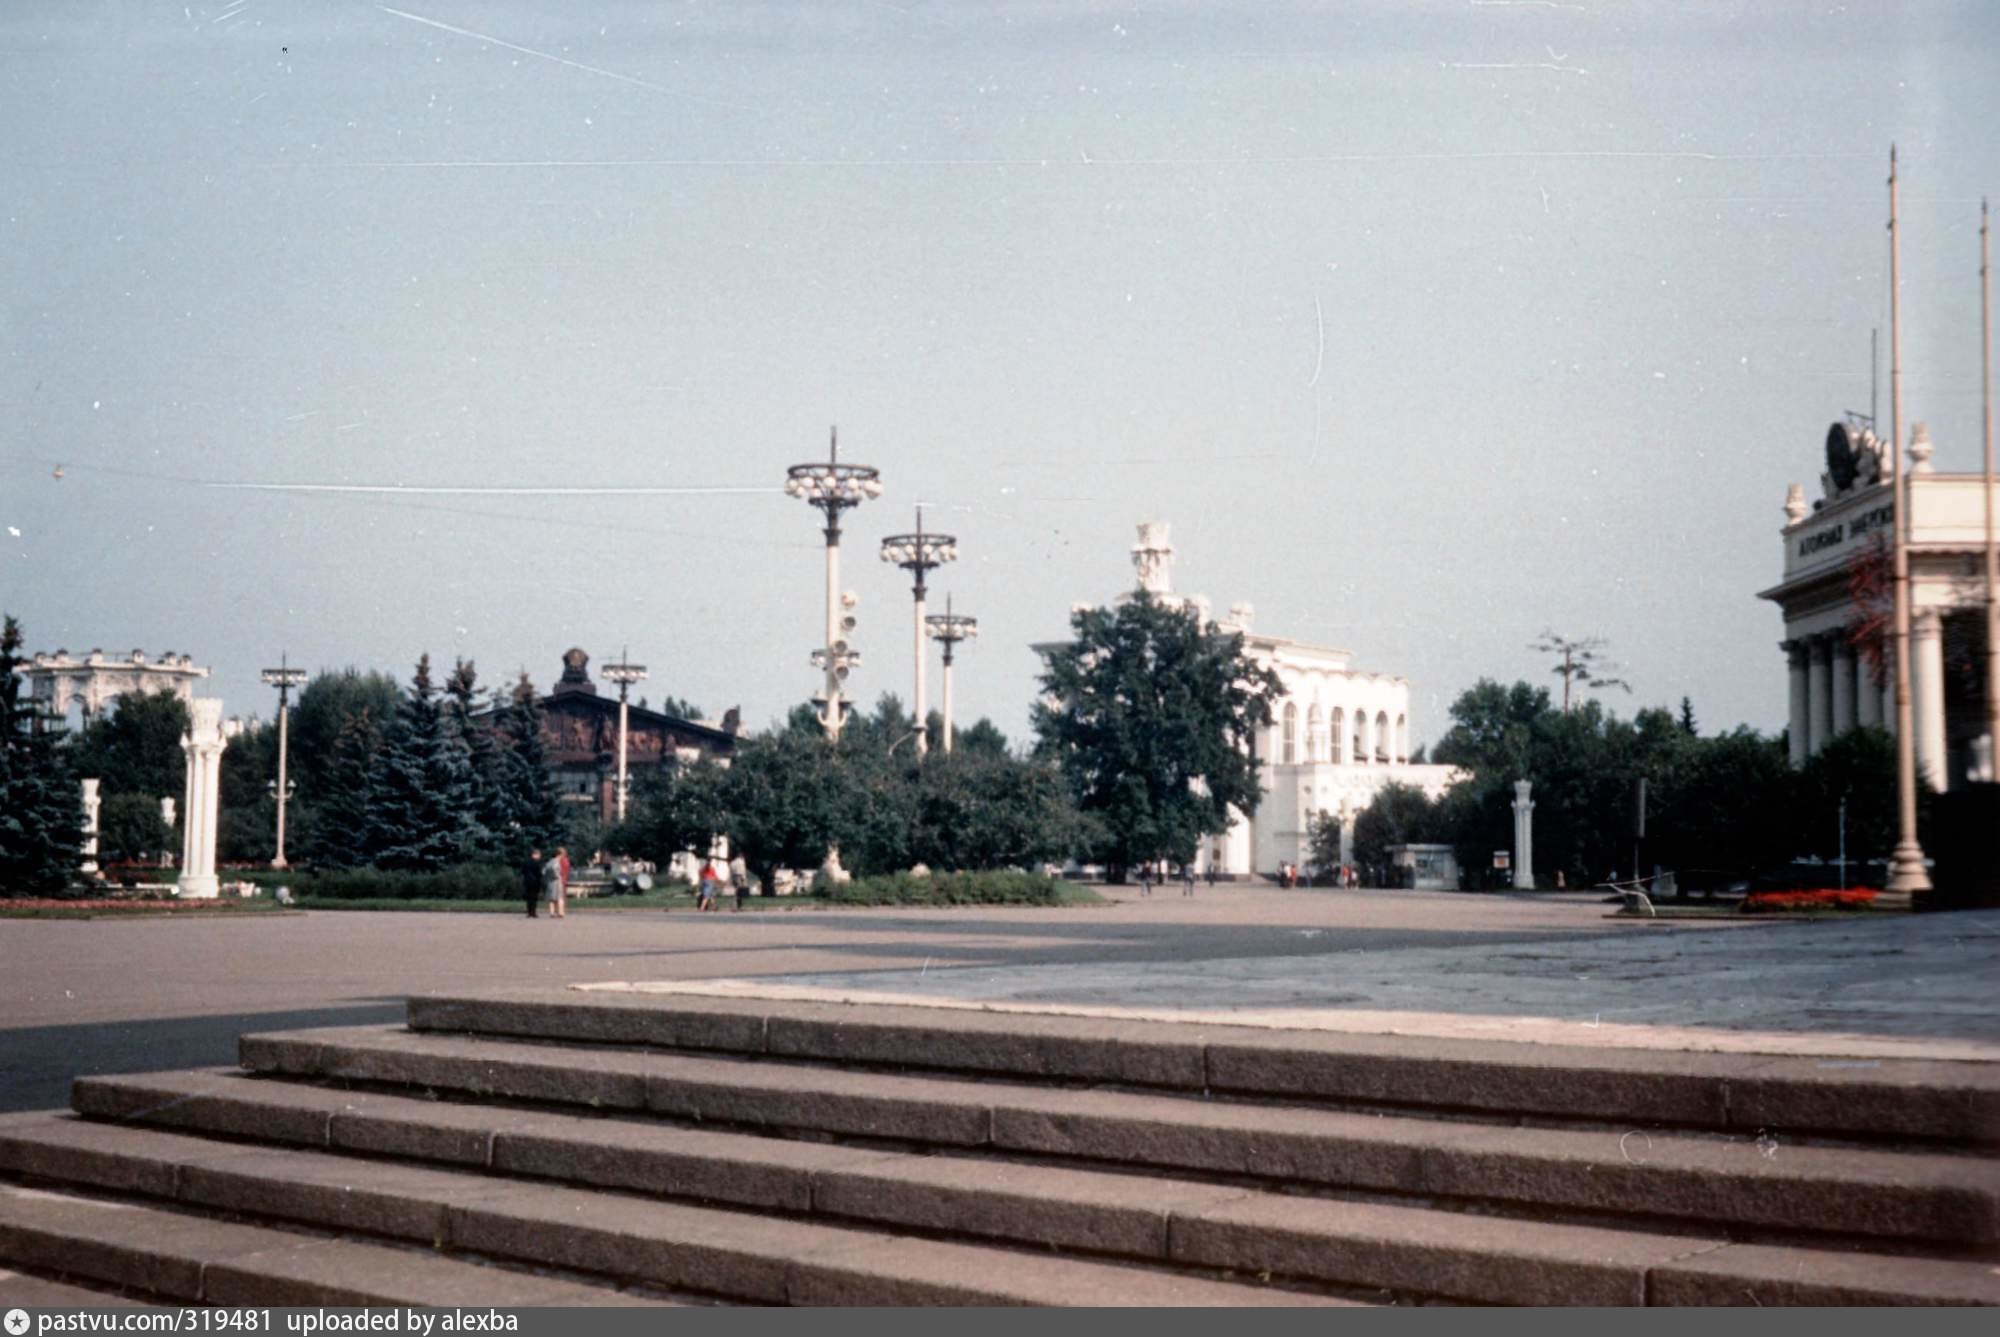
(1835, 580)
(1341, 734)
(61, 680)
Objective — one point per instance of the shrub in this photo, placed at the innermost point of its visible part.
(466, 882)
(991, 888)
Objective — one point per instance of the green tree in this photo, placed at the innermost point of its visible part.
(527, 793)
(977, 810)
(1151, 718)
(981, 738)
(489, 812)
(41, 803)
(782, 800)
(322, 710)
(345, 793)
(679, 707)
(420, 793)
(131, 830)
(1399, 815)
(674, 810)
(135, 747)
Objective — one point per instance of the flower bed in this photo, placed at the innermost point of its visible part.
(1825, 898)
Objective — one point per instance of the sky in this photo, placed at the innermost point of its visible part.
(1428, 326)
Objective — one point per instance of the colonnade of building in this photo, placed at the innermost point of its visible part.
(1832, 691)
(1327, 737)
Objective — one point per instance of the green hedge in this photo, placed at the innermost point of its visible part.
(467, 882)
(995, 888)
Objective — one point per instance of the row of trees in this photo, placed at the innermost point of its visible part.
(1724, 803)
(787, 798)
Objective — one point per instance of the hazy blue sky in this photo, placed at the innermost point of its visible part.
(1427, 325)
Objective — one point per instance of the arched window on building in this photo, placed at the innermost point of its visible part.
(1402, 739)
(1288, 748)
(1361, 738)
(1338, 734)
(1315, 735)
(1382, 735)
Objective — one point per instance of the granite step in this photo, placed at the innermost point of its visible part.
(1868, 1099)
(174, 1255)
(1707, 1181)
(737, 1254)
(1357, 1245)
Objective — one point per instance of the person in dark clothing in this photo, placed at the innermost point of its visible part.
(531, 880)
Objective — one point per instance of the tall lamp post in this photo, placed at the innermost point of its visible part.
(624, 673)
(284, 678)
(832, 487)
(948, 629)
(918, 554)
(1907, 875)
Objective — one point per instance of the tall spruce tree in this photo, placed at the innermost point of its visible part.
(490, 815)
(41, 805)
(527, 792)
(419, 810)
(346, 788)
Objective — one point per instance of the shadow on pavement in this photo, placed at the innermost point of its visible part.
(41, 1060)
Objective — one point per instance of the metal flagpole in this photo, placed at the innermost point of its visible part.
(1992, 559)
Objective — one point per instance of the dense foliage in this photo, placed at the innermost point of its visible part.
(999, 887)
(1150, 716)
(41, 804)
(1717, 807)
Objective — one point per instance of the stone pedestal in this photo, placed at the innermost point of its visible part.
(200, 806)
(1524, 837)
(90, 806)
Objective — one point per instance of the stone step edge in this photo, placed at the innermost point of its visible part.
(1941, 1100)
(1098, 1212)
(484, 1216)
(1861, 1193)
(1359, 1245)
(177, 1255)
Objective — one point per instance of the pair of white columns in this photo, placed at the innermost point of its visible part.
(203, 744)
(1833, 691)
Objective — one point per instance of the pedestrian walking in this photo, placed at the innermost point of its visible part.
(1146, 878)
(705, 895)
(1187, 879)
(531, 880)
(1211, 875)
(552, 885)
(739, 879)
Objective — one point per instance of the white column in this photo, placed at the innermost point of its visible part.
(1819, 691)
(90, 805)
(1927, 689)
(1795, 656)
(203, 744)
(1843, 686)
(1524, 837)
(1867, 696)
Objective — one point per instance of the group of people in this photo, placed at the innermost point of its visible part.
(1150, 872)
(1289, 875)
(710, 883)
(546, 882)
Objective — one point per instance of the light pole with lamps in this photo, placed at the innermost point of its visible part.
(1907, 875)
(948, 629)
(284, 678)
(833, 487)
(624, 673)
(918, 554)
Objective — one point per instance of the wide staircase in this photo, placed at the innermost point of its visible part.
(578, 1147)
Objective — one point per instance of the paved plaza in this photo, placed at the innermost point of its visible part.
(144, 994)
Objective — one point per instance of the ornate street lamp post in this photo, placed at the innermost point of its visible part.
(624, 674)
(918, 554)
(284, 678)
(948, 629)
(833, 487)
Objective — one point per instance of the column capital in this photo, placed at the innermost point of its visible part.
(1927, 621)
